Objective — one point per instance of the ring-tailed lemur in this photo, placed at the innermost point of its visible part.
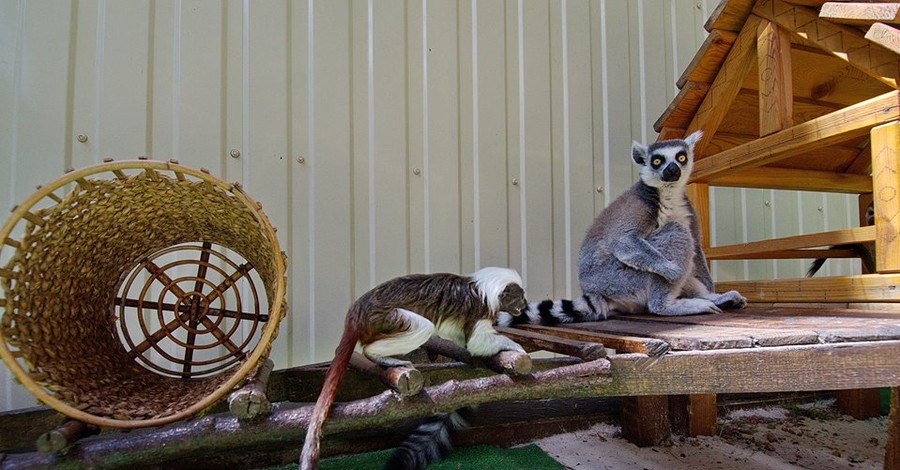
(642, 253)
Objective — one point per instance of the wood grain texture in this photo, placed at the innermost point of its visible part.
(844, 42)
(885, 36)
(861, 288)
(708, 59)
(886, 192)
(621, 343)
(860, 13)
(836, 237)
(821, 132)
(726, 85)
(892, 449)
(776, 100)
(729, 15)
(645, 420)
(802, 180)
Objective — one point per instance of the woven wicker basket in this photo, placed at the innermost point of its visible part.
(131, 300)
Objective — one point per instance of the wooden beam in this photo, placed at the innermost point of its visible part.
(886, 191)
(885, 36)
(708, 60)
(776, 99)
(892, 449)
(810, 240)
(850, 122)
(801, 180)
(726, 86)
(681, 110)
(729, 16)
(844, 42)
(861, 288)
(860, 13)
(783, 254)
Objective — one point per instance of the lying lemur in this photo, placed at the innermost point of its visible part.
(642, 253)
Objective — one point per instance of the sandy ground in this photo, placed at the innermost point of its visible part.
(812, 436)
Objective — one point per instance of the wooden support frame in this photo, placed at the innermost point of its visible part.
(886, 36)
(844, 42)
(776, 98)
(801, 180)
(847, 123)
(775, 245)
(886, 191)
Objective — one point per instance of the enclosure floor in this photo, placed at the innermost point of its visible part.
(771, 438)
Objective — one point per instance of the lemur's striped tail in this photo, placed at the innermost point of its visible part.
(430, 442)
(549, 312)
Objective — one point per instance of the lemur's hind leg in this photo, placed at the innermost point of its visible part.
(675, 243)
(415, 331)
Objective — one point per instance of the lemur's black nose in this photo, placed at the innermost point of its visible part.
(671, 173)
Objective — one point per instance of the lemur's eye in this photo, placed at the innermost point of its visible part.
(682, 158)
(656, 162)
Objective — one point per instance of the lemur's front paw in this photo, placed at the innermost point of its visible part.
(670, 271)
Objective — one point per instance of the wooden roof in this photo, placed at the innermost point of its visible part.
(804, 79)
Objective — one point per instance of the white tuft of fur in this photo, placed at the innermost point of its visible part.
(490, 283)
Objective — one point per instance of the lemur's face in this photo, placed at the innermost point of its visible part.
(666, 163)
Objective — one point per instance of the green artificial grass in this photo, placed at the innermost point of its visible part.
(478, 457)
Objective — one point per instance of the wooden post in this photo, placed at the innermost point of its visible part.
(776, 100)
(892, 450)
(694, 415)
(861, 403)
(251, 400)
(886, 192)
(645, 420)
(64, 436)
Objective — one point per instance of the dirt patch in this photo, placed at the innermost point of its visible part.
(813, 436)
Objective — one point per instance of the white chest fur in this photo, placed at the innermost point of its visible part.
(673, 207)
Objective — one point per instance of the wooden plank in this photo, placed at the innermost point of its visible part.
(781, 329)
(838, 126)
(729, 15)
(757, 370)
(886, 191)
(587, 351)
(836, 237)
(885, 36)
(622, 344)
(680, 338)
(726, 86)
(790, 254)
(776, 100)
(844, 42)
(681, 110)
(709, 58)
(860, 13)
(802, 180)
(667, 133)
(861, 288)
(862, 164)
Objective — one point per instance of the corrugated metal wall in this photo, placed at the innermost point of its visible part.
(381, 137)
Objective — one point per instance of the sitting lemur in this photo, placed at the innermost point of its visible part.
(642, 254)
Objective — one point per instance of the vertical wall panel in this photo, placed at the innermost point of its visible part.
(382, 137)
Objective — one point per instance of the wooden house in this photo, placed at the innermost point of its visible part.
(803, 95)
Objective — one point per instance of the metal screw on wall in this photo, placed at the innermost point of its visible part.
(235, 153)
(417, 171)
(83, 138)
(515, 181)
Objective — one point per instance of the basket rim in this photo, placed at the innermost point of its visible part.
(277, 305)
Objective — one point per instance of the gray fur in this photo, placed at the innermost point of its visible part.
(643, 253)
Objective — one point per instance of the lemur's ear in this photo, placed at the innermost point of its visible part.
(638, 153)
(693, 138)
